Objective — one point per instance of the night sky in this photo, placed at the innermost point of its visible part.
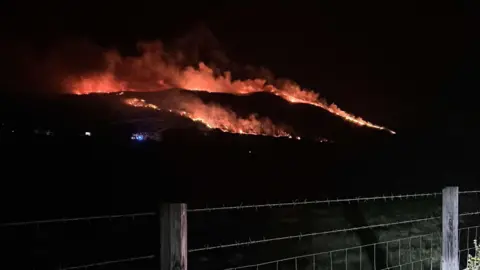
(405, 65)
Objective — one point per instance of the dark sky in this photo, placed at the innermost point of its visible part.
(400, 63)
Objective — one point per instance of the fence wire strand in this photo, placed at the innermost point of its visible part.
(469, 214)
(132, 259)
(307, 202)
(313, 255)
(63, 220)
(469, 192)
(300, 236)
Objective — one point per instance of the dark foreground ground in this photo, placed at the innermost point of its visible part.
(218, 168)
(47, 177)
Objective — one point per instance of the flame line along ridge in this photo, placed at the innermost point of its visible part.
(216, 117)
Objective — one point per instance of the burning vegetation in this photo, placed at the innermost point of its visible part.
(156, 70)
(216, 117)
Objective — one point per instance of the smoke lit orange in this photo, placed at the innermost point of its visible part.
(155, 71)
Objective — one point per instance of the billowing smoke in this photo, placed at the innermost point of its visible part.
(41, 68)
(158, 68)
(50, 67)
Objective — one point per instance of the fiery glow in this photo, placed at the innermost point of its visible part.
(155, 71)
(216, 117)
(101, 83)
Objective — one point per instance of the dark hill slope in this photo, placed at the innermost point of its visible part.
(89, 112)
(192, 165)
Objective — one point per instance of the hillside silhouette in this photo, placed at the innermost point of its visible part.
(197, 164)
(90, 111)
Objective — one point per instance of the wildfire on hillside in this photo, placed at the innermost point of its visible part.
(154, 71)
(215, 117)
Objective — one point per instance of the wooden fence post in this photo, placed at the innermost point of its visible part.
(173, 236)
(450, 256)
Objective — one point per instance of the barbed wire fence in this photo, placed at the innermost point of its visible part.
(353, 257)
(469, 231)
(89, 221)
(64, 220)
(310, 202)
(413, 251)
(415, 257)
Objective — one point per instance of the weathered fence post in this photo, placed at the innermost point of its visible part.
(450, 229)
(173, 236)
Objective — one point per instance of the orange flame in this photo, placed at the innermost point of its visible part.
(216, 117)
(153, 71)
(99, 83)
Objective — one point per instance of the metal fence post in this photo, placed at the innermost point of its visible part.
(450, 256)
(173, 236)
